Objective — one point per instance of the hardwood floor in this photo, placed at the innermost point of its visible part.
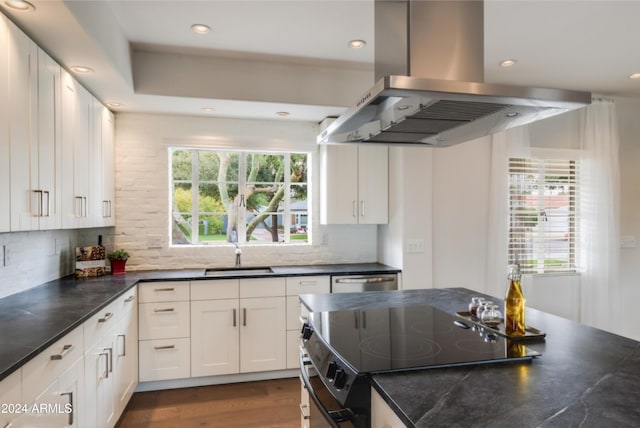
(269, 403)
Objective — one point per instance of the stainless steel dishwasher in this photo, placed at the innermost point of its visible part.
(364, 282)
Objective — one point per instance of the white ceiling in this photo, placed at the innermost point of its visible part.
(265, 56)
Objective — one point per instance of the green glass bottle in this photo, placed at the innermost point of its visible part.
(514, 304)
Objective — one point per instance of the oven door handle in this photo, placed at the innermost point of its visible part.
(332, 416)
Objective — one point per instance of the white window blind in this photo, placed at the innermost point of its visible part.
(543, 214)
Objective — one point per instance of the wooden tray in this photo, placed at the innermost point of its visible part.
(530, 332)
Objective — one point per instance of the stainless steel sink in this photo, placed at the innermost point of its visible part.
(237, 271)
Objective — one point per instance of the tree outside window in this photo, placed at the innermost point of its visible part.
(223, 196)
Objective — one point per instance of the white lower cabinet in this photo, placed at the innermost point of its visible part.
(110, 368)
(238, 326)
(296, 314)
(215, 337)
(263, 334)
(11, 397)
(164, 331)
(381, 414)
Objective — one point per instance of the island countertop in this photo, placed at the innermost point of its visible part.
(585, 377)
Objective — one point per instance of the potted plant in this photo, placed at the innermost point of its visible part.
(118, 260)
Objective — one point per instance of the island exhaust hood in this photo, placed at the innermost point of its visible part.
(429, 68)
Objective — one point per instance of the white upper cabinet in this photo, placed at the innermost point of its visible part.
(76, 153)
(5, 172)
(354, 184)
(23, 96)
(102, 171)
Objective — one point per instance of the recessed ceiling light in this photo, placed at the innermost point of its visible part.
(635, 76)
(81, 69)
(21, 5)
(200, 28)
(114, 105)
(283, 113)
(357, 44)
(207, 109)
(507, 62)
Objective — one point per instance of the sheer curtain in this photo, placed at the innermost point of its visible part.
(510, 143)
(599, 211)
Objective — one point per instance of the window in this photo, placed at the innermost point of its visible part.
(543, 217)
(222, 196)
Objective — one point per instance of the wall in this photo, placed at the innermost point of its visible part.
(142, 206)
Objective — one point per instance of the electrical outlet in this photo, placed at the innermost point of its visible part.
(415, 246)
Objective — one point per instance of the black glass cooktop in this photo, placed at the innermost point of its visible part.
(401, 338)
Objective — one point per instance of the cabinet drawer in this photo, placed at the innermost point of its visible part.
(101, 322)
(38, 373)
(163, 291)
(308, 285)
(262, 287)
(215, 289)
(164, 359)
(163, 320)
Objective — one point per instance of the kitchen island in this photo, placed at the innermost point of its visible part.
(585, 377)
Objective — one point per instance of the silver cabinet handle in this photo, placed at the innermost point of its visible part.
(308, 283)
(164, 289)
(107, 316)
(244, 317)
(163, 310)
(110, 359)
(48, 204)
(70, 395)
(124, 345)
(304, 410)
(234, 317)
(364, 280)
(130, 298)
(362, 208)
(106, 363)
(158, 348)
(65, 351)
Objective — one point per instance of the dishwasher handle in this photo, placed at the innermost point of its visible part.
(367, 280)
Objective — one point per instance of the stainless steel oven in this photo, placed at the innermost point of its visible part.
(319, 408)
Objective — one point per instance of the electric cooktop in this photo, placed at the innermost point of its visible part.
(410, 337)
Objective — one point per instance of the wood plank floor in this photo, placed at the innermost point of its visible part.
(269, 403)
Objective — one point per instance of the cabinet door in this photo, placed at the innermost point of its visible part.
(373, 181)
(108, 168)
(95, 158)
(45, 173)
(71, 392)
(339, 184)
(99, 386)
(23, 84)
(69, 107)
(82, 152)
(215, 346)
(262, 334)
(125, 355)
(5, 183)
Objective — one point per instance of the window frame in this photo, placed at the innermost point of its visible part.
(573, 213)
(242, 182)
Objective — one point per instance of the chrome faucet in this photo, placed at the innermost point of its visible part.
(238, 254)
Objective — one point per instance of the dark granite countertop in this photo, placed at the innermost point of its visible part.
(585, 377)
(32, 320)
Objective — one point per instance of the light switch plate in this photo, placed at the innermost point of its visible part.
(628, 241)
(415, 246)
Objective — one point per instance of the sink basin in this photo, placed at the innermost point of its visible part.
(237, 271)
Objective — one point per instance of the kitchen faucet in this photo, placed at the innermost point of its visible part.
(238, 254)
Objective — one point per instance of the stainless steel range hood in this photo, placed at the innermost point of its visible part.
(429, 68)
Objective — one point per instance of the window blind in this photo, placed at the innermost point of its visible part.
(543, 214)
